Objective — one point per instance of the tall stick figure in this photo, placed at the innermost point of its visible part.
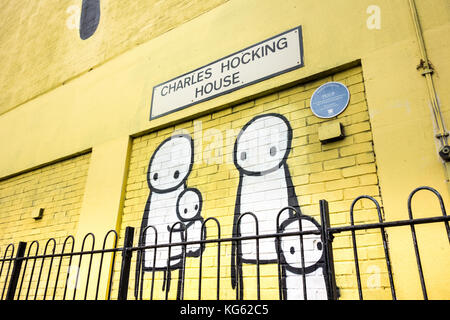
(265, 187)
(172, 210)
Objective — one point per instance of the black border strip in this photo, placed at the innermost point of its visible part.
(302, 64)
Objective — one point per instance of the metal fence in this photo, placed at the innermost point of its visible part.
(26, 274)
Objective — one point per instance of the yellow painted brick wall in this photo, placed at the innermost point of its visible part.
(40, 50)
(338, 172)
(59, 189)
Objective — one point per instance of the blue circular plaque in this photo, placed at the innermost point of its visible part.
(329, 100)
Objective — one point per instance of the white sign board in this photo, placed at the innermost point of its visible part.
(269, 58)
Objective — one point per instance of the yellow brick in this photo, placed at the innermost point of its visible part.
(344, 267)
(339, 218)
(356, 148)
(291, 91)
(339, 163)
(275, 104)
(329, 196)
(298, 123)
(365, 158)
(342, 184)
(300, 180)
(305, 169)
(267, 99)
(359, 170)
(241, 107)
(250, 112)
(357, 97)
(368, 179)
(321, 156)
(348, 140)
(356, 88)
(222, 113)
(218, 194)
(346, 74)
(326, 176)
(357, 78)
(229, 118)
(306, 149)
(317, 83)
(359, 117)
(312, 188)
(300, 96)
(343, 206)
(359, 191)
(353, 109)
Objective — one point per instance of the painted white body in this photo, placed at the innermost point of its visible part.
(315, 286)
(167, 173)
(261, 150)
(291, 248)
(264, 196)
(162, 215)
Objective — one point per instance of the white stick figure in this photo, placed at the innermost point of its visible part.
(301, 261)
(265, 187)
(189, 206)
(169, 168)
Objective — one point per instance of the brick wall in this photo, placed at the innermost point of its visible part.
(338, 172)
(59, 189)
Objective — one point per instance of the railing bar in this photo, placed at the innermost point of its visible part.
(302, 257)
(200, 272)
(153, 272)
(89, 269)
(68, 273)
(26, 263)
(419, 263)
(218, 269)
(390, 224)
(258, 275)
(261, 236)
(9, 266)
(49, 272)
(42, 265)
(111, 274)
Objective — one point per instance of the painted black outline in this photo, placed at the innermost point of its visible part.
(198, 215)
(142, 239)
(286, 153)
(183, 181)
(300, 65)
(285, 266)
(191, 221)
(283, 262)
(144, 222)
(236, 249)
(89, 18)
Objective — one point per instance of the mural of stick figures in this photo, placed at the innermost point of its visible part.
(265, 187)
(169, 207)
(302, 261)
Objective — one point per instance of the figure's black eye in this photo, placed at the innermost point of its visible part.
(243, 156)
(196, 207)
(273, 151)
(185, 210)
(155, 176)
(292, 250)
(319, 245)
(176, 174)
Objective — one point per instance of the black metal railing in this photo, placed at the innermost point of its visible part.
(26, 274)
